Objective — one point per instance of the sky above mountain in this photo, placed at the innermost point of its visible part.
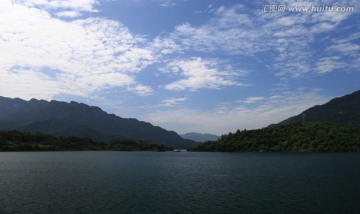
(209, 66)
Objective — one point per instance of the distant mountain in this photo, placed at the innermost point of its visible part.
(78, 119)
(198, 137)
(343, 110)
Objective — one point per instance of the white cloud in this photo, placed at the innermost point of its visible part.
(136, 59)
(165, 46)
(166, 3)
(222, 120)
(250, 100)
(70, 14)
(282, 41)
(328, 64)
(199, 73)
(172, 101)
(161, 3)
(73, 5)
(142, 90)
(346, 46)
(81, 56)
(27, 84)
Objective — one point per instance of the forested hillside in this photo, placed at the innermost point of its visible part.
(294, 137)
(25, 141)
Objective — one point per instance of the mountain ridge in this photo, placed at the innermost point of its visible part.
(342, 110)
(63, 119)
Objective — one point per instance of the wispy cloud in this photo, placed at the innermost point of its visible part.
(166, 3)
(83, 56)
(250, 100)
(172, 101)
(283, 42)
(328, 64)
(345, 52)
(28, 84)
(161, 3)
(70, 14)
(105, 50)
(199, 73)
(67, 5)
(142, 90)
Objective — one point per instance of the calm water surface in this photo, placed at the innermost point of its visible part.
(150, 182)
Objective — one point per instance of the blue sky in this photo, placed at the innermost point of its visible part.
(207, 66)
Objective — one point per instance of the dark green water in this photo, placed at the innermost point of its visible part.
(150, 182)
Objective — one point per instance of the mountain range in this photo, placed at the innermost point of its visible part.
(78, 119)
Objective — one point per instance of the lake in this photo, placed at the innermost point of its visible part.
(170, 182)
